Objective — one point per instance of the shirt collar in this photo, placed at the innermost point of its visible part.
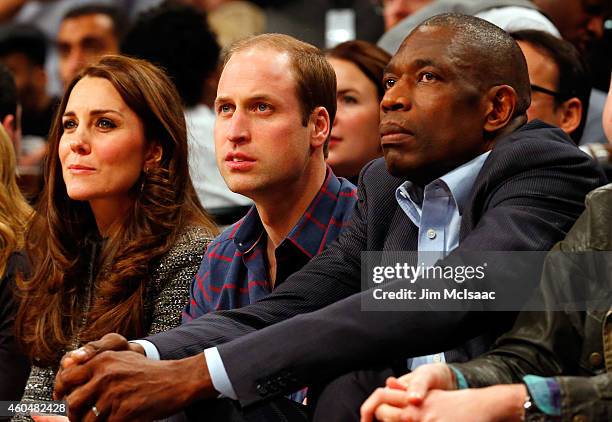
(249, 231)
(461, 180)
(458, 181)
(308, 233)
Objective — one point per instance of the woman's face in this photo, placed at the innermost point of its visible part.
(354, 138)
(102, 149)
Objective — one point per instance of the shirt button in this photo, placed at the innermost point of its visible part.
(595, 359)
(437, 358)
(431, 233)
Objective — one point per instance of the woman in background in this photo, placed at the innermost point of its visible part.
(14, 212)
(355, 139)
(119, 231)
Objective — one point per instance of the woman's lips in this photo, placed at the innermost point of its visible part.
(80, 169)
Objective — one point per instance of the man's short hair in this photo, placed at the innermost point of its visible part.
(574, 74)
(114, 13)
(25, 39)
(8, 93)
(315, 79)
(489, 55)
(177, 38)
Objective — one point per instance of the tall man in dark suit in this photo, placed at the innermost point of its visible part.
(453, 126)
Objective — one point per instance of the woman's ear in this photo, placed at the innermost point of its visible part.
(154, 155)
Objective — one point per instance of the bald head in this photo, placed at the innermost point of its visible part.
(487, 54)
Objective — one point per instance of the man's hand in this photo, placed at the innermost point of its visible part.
(126, 386)
(436, 376)
(112, 341)
(411, 388)
(492, 404)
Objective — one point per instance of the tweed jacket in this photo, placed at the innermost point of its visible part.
(166, 296)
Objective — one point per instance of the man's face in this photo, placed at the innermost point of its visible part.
(543, 72)
(432, 114)
(83, 40)
(579, 21)
(261, 144)
(396, 10)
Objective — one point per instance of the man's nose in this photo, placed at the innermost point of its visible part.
(395, 100)
(75, 62)
(238, 128)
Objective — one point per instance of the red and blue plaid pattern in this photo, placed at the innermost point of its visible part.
(234, 272)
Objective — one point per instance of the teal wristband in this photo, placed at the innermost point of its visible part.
(461, 381)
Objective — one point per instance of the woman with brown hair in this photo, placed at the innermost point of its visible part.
(14, 212)
(119, 231)
(355, 140)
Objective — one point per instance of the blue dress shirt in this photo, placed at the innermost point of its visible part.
(436, 210)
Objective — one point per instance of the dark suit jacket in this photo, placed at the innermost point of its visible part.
(528, 194)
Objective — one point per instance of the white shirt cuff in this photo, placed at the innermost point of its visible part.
(218, 374)
(149, 348)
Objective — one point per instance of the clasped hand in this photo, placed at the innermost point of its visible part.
(111, 379)
(423, 396)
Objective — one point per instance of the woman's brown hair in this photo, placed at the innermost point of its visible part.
(165, 202)
(369, 58)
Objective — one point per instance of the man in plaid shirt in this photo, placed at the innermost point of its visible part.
(271, 141)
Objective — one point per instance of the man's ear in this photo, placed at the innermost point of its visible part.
(154, 155)
(570, 113)
(319, 119)
(500, 105)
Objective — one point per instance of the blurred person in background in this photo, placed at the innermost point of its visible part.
(581, 22)
(47, 16)
(23, 49)
(396, 10)
(232, 20)
(355, 138)
(86, 33)
(560, 81)
(177, 38)
(10, 109)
